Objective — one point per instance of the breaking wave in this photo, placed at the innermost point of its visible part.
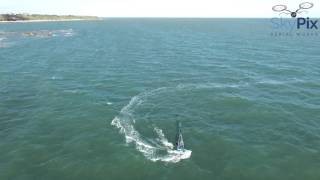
(3, 42)
(152, 151)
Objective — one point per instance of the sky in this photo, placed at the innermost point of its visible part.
(155, 8)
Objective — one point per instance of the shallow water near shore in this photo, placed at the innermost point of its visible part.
(100, 100)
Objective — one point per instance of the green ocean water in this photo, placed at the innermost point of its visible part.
(100, 100)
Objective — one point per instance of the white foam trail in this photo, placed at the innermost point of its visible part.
(174, 156)
(164, 141)
(125, 122)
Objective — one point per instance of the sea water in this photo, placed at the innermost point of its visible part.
(100, 100)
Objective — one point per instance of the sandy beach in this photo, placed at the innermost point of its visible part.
(62, 20)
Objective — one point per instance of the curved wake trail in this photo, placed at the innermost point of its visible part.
(125, 122)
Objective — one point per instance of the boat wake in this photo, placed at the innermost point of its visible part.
(160, 149)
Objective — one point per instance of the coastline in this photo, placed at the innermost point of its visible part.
(48, 20)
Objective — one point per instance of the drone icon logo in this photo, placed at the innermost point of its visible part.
(302, 8)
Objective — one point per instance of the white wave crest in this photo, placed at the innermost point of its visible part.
(3, 43)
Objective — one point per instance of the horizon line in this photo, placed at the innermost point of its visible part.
(169, 17)
(198, 17)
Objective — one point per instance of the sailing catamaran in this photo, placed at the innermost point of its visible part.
(179, 139)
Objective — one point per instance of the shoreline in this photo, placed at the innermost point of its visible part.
(48, 20)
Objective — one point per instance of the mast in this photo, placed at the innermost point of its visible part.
(179, 138)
